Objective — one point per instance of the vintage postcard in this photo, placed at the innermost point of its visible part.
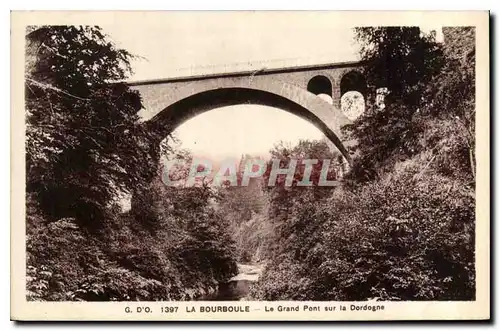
(187, 166)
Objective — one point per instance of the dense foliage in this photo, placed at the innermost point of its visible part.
(83, 143)
(402, 225)
(245, 207)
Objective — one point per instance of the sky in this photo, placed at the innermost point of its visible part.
(198, 43)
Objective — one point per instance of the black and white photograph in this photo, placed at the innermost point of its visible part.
(307, 164)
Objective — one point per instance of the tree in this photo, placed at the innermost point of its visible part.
(84, 143)
(404, 61)
(284, 198)
(430, 101)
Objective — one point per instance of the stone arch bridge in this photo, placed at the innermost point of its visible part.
(311, 92)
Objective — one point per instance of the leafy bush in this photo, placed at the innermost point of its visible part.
(405, 237)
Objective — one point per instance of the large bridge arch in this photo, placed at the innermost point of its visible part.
(193, 98)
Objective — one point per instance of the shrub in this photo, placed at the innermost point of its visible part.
(404, 237)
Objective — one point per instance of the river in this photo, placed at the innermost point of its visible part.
(237, 288)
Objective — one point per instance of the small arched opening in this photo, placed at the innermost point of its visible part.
(322, 87)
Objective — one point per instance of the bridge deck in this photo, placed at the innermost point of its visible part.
(262, 70)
